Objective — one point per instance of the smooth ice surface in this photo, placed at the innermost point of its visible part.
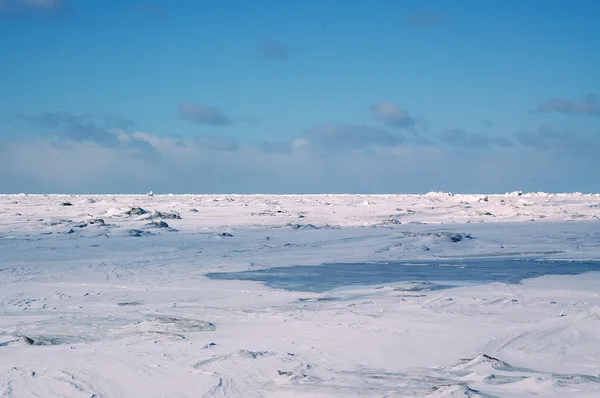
(107, 296)
(425, 275)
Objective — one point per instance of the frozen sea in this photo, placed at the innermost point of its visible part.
(435, 295)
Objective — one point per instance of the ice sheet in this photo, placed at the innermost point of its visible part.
(99, 300)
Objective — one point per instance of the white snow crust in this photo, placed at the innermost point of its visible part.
(106, 296)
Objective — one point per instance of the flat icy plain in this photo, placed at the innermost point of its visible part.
(107, 296)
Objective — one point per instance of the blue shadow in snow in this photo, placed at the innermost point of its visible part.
(322, 278)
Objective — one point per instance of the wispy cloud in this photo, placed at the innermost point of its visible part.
(87, 153)
(75, 127)
(463, 139)
(39, 166)
(558, 138)
(118, 122)
(340, 137)
(392, 115)
(273, 51)
(588, 106)
(275, 147)
(213, 142)
(203, 114)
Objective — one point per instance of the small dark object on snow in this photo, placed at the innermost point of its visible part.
(166, 215)
(137, 233)
(453, 236)
(66, 204)
(129, 303)
(28, 340)
(136, 211)
(303, 226)
(159, 224)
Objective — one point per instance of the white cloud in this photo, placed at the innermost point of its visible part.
(300, 143)
(392, 115)
(203, 114)
(87, 158)
(337, 137)
(147, 162)
(588, 106)
(214, 142)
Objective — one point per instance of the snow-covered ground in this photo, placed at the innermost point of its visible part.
(106, 296)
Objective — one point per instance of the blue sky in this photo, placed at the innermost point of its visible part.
(299, 96)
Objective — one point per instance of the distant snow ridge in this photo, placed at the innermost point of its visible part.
(138, 211)
(514, 193)
(440, 194)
